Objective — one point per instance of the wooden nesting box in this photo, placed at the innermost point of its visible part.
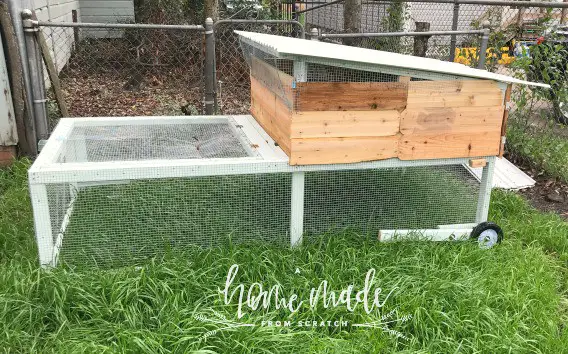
(451, 111)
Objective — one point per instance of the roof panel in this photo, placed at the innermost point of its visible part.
(286, 47)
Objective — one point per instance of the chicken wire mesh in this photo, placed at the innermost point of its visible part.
(153, 142)
(127, 71)
(395, 198)
(118, 224)
(124, 222)
(233, 75)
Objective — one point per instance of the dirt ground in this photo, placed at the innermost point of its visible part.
(106, 96)
(548, 194)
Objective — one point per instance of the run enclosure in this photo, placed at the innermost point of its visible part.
(103, 192)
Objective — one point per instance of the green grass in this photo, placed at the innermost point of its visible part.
(126, 222)
(544, 148)
(510, 299)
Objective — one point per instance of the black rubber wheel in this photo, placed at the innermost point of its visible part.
(487, 234)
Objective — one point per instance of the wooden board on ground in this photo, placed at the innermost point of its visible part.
(342, 150)
(52, 72)
(461, 93)
(329, 124)
(351, 96)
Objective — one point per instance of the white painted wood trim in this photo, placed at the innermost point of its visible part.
(278, 153)
(42, 224)
(300, 71)
(260, 145)
(458, 226)
(245, 140)
(485, 190)
(66, 219)
(425, 235)
(119, 170)
(52, 149)
(151, 120)
(297, 209)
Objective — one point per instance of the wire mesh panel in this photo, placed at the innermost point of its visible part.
(101, 199)
(153, 141)
(117, 224)
(367, 201)
(127, 71)
(60, 199)
(232, 69)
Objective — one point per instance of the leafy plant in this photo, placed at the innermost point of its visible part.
(393, 22)
(549, 65)
(534, 134)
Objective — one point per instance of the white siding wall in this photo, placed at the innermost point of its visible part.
(8, 132)
(59, 39)
(330, 18)
(107, 10)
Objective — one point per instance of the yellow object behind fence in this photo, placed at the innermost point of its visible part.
(467, 55)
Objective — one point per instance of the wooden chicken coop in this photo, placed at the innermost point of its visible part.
(325, 103)
(340, 138)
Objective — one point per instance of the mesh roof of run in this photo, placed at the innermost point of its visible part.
(286, 47)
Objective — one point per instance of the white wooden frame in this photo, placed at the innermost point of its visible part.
(265, 157)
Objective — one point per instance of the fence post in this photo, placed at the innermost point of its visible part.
(455, 20)
(35, 70)
(314, 34)
(483, 49)
(75, 29)
(210, 92)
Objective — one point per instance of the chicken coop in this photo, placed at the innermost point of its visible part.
(339, 138)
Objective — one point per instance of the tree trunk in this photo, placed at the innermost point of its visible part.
(421, 42)
(211, 9)
(352, 20)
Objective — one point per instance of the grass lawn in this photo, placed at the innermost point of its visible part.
(128, 222)
(544, 147)
(510, 299)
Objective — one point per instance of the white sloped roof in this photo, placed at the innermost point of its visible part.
(287, 47)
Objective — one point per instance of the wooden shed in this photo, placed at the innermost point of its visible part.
(326, 103)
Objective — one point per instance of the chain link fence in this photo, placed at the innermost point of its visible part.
(233, 79)
(126, 70)
(434, 45)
